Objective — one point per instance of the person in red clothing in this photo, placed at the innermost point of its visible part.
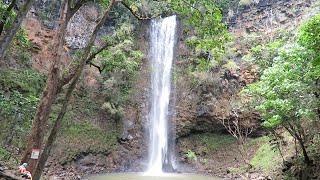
(24, 172)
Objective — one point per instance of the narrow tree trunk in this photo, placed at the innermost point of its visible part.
(49, 95)
(293, 131)
(43, 112)
(6, 40)
(6, 15)
(54, 131)
(304, 151)
(53, 87)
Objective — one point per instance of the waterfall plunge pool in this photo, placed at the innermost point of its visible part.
(142, 176)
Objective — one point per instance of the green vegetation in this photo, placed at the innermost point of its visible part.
(264, 54)
(7, 157)
(309, 36)
(19, 50)
(215, 141)
(119, 68)
(191, 155)
(10, 16)
(20, 89)
(286, 95)
(204, 31)
(266, 158)
(23, 80)
(87, 138)
(19, 96)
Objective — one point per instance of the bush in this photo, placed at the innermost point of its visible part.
(191, 155)
(309, 35)
(26, 81)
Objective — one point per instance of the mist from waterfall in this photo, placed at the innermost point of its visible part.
(162, 41)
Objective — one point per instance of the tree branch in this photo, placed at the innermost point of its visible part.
(93, 55)
(96, 66)
(139, 17)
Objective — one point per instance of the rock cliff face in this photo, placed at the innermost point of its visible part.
(268, 15)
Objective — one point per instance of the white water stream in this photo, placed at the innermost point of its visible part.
(162, 41)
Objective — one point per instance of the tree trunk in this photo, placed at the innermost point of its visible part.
(304, 151)
(49, 95)
(6, 15)
(53, 134)
(294, 133)
(6, 40)
(54, 131)
(40, 119)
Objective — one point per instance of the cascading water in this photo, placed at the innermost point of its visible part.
(162, 40)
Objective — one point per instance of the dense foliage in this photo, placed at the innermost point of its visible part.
(120, 63)
(287, 94)
(206, 34)
(20, 88)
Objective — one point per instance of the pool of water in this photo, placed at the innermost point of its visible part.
(133, 176)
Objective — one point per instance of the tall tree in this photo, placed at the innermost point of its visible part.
(55, 82)
(49, 94)
(83, 61)
(7, 38)
(53, 85)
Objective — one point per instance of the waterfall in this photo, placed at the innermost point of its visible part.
(162, 41)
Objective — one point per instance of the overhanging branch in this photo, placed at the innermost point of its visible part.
(136, 15)
(93, 55)
(96, 66)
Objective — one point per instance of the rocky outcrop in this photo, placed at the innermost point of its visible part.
(203, 108)
(81, 26)
(267, 15)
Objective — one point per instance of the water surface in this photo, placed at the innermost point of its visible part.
(132, 176)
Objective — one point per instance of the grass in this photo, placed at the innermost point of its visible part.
(215, 141)
(23, 80)
(266, 158)
(83, 138)
(238, 170)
